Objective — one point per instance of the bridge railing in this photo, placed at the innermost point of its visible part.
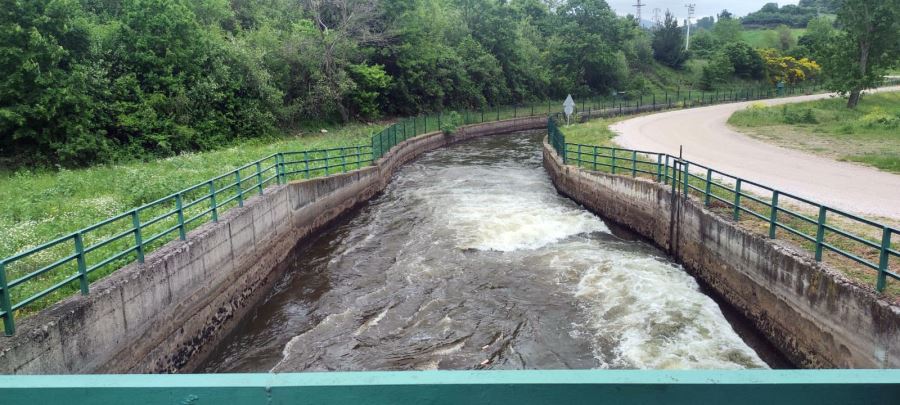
(814, 226)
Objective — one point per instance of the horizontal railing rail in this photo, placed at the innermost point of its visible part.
(70, 263)
(863, 241)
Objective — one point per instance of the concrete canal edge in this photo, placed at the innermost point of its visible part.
(167, 314)
(811, 313)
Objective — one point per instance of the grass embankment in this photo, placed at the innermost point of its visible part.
(721, 202)
(869, 134)
(768, 38)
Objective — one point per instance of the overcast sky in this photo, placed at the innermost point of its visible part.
(704, 7)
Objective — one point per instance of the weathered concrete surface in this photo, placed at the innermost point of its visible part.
(167, 314)
(815, 316)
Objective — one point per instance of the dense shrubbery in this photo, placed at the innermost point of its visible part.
(770, 15)
(84, 81)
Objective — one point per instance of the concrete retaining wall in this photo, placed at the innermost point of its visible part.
(816, 317)
(167, 314)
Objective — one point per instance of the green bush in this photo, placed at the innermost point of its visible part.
(450, 122)
(798, 116)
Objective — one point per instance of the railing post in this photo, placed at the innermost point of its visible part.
(82, 265)
(773, 215)
(138, 240)
(279, 168)
(658, 168)
(737, 200)
(613, 160)
(240, 189)
(595, 158)
(179, 206)
(666, 177)
(306, 164)
(687, 177)
(9, 322)
(883, 259)
(344, 159)
(820, 232)
(579, 155)
(708, 187)
(426, 123)
(415, 126)
(633, 163)
(259, 179)
(214, 209)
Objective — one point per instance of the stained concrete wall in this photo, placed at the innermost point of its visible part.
(811, 313)
(167, 314)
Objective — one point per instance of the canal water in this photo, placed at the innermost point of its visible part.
(470, 260)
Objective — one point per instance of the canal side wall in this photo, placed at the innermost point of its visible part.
(167, 314)
(812, 314)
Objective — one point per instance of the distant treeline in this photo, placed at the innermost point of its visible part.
(796, 16)
(86, 81)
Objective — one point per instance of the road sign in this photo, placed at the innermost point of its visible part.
(568, 107)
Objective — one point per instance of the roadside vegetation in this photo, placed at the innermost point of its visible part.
(868, 134)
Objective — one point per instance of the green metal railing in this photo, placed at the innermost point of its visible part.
(862, 241)
(525, 387)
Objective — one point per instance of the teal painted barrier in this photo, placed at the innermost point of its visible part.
(756, 387)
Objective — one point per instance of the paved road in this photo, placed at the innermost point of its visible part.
(709, 141)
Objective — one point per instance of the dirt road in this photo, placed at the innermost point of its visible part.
(709, 141)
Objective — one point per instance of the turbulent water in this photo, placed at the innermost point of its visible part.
(470, 259)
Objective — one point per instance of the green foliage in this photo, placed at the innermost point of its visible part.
(718, 70)
(745, 61)
(727, 30)
(371, 82)
(668, 43)
(450, 122)
(770, 15)
(866, 45)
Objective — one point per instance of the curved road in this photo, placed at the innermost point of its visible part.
(709, 141)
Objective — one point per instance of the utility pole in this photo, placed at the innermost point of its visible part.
(638, 7)
(687, 42)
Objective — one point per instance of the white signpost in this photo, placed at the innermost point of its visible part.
(568, 107)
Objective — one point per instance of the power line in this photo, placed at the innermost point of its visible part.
(657, 21)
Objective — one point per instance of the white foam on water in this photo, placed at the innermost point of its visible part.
(656, 315)
(506, 211)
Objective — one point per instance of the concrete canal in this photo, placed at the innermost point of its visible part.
(470, 259)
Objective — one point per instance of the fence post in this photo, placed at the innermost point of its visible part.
(687, 177)
(9, 323)
(658, 168)
(259, 181)
(708, 186)
(179, 206)
(595, 158)
(633, 163)
(240, 189)
(666, 177)
(820, 232)
(773, 215)
(613, 160)
(883, 259)
(82, 265)
(737, 200)
(212, 200)
(278, 168)
(138, 240)
(515, 111)
(579, 155)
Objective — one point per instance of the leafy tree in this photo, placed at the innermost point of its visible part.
(668, 43)
(786, 38)
(865, 46)
(48, 86)
(718, 70)
(727, 30)
(746, 62)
